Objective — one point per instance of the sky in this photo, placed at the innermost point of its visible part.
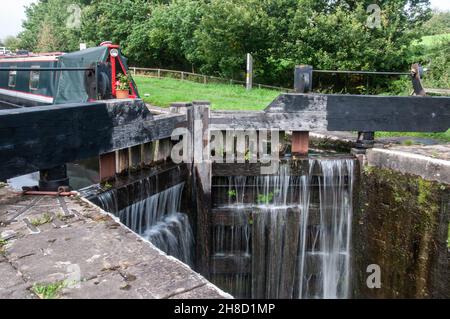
(12, 14)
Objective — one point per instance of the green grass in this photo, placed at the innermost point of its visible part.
(45, 219)
(48, 291)
(432, 40)
(3, 243)
(444, 137)
(232, 193)
(163, 92)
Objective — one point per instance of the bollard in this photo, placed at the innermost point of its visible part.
(300, 143)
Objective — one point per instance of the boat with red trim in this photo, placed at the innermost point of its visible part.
(61, 78)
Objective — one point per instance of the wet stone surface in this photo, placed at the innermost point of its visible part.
(49, 240)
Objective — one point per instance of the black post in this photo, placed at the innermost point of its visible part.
(303, 78)
(416, 75)
(365, 140)
(50, 180)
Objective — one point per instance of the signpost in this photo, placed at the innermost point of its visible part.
(249, 80)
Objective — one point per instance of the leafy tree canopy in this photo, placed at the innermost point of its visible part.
(438, 24)
(213, 36)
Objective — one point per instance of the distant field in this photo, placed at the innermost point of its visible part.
(444, 137)
(432, 40)
(163, 92)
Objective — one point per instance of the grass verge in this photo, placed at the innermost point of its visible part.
(165, 91)
(444, 137)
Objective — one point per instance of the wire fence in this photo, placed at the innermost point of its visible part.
(358, 81)
(198, 78)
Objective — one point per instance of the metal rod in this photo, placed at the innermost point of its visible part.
(14, 106)
(362, 72)
(47, 69)
(40, 193)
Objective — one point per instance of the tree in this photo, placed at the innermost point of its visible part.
(11, 43)
(213, 36)
(114, 20)
(49, 26)
(332, 37)
(438, 24)
(47, 41)
(228, 30)
(166, 39)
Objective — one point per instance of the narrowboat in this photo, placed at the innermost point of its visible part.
(57, 78)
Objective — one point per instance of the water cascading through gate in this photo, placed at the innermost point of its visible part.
(294, 232)
(157, 219)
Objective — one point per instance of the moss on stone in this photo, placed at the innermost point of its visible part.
(398, 229)
(448, 240)
(329, 144)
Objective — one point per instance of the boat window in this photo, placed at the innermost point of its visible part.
(12, 78)
(34, 79)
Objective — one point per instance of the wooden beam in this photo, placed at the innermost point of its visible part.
(254, 169)
(438, 91)
(231, 264)
(367, 113)
(123, 160)
(159, 179)
(321, 112)
(42, 137)
(201, 173)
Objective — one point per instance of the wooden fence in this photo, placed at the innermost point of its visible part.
(198, 78)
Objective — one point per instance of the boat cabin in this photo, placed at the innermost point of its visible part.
(58, 78)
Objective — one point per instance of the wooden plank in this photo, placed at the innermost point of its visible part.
(123, 160)
(283, 121)
(310, 112)
(438, 91)
(42, 137)
(258, 258)
(202, 174)
(230, 217)
(129, 188)
(231, 264)
(241, 217)
(290, 252)
(371, 113)
(299, 167)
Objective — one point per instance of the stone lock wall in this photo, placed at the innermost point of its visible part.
(402, 226)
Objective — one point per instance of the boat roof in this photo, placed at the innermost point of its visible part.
(31, 58)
